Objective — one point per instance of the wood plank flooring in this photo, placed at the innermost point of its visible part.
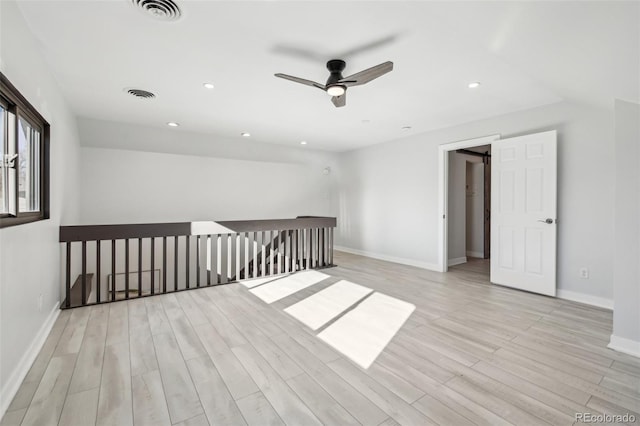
(470, 354)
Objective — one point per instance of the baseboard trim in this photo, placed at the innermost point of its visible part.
(457, 261)
(475, 254)
(10, 389)
(624, 345)
(402, 261)
(587, 299)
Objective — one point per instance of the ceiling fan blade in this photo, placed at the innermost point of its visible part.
(339, 101)
(367, 75)
(301, 81)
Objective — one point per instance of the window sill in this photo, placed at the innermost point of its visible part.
(7, 222)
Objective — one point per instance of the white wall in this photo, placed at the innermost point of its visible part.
(475, 208)
(626, 291)
(120, 186)
(388, 197)
(29, 254)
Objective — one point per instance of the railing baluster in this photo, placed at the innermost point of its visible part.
(279, 252)
(175, 263)
(318, 264)
(224, 258)
(254, 270)
(287, 252)
(331, 246)
(294, 250)
(320, 252)
(139, 267)
(198, 261)
(187, 249)
(153, 265)
(126, 268)
(98, 289)
(316, 247)
(290, 246)
(164, 264)
(326, 245)
(113, 270)
(84, 273)
(301, 248)
(271, 253)
(263, 254)
(299, 243)
(68, 277)
(214, 259)
(247, 255)
(210, 253)
(321, 246)
(241, 245)
(234, 257)
(309, 248)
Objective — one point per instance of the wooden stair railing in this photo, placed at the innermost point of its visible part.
(114, 262)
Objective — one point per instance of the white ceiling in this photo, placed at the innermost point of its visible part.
(526, 54)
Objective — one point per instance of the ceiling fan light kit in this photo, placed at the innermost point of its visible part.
(336, 90)
(336, 85)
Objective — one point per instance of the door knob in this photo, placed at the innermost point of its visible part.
(547, 221)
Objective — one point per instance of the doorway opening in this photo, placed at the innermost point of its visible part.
(469, 206)
(463, 203)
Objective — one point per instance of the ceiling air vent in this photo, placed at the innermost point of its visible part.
(162, 10)
(139, 93)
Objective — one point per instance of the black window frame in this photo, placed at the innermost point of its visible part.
(19, 107)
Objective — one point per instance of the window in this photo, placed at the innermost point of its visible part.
(24, 159)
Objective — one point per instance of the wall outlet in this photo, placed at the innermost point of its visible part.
(584, 273)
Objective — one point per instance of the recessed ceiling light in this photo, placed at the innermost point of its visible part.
(173, 124)
(208, 85)
(405, 128)
(474, 85)
(303, 142)
(245, 134)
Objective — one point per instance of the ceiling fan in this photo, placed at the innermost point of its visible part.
(336, 85)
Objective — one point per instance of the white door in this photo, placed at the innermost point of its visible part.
(523, 212)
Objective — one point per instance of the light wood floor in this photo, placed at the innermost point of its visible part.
(474, 264)
(471, 353)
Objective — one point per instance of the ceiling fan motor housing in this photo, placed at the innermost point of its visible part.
(335, 67)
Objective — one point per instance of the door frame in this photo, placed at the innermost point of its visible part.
(443, 190)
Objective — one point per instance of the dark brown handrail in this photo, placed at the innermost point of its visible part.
(148, 230)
